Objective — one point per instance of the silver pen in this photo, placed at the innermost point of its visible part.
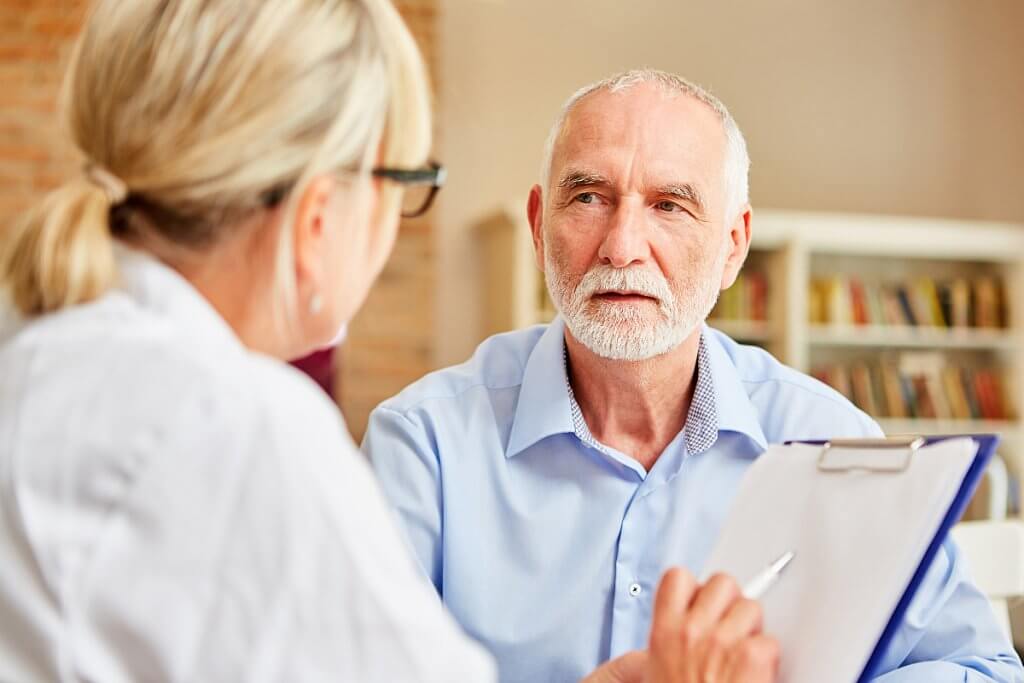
(760, 584)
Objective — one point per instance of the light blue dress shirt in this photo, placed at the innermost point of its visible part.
(547, 546)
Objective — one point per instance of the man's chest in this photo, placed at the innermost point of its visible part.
(562, 561)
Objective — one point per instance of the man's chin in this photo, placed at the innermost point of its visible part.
(633, 313)
(630, 339)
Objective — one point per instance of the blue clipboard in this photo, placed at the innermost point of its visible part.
(986, 448)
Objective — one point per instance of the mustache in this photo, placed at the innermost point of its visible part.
(636, 279)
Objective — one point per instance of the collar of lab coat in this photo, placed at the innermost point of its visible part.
(145, 283)
(162, 291)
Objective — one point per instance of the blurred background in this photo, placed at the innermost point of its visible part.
(887, 141)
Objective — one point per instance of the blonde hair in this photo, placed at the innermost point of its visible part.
(191, 113)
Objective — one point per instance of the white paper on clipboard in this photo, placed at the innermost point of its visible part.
(858, 535)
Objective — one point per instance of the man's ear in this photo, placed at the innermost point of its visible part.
(308, 233)
(738, 245)
(535, 214)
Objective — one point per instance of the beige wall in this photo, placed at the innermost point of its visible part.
(908, 107)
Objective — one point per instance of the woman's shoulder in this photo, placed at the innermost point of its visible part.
(132, 375)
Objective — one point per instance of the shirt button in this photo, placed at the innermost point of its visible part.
(635, 589)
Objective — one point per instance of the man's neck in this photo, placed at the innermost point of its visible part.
(635, 407)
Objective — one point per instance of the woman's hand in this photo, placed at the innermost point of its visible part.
(707, 634)
(629, 668)
(699, 634)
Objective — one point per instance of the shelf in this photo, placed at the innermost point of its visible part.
(881, 336)
(743, 330)
(896, 426)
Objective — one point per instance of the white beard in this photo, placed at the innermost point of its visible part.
(627, 331)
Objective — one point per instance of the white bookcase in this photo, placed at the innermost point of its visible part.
(793, 249)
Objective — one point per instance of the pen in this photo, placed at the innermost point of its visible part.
(760, 584)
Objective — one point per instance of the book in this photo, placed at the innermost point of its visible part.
(921, 302)
(954, 389)
(895, 400)
(986, 303)
(863, 391)
(921, 385)
(960, 303)
(906, 306)
(929, 294)
(747, 299)
(924, 402)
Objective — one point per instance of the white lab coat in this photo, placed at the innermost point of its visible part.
(174, 507)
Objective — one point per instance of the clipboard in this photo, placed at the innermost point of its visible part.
(986, 449)
(849, 464)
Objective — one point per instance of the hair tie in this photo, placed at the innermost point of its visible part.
(115, 188)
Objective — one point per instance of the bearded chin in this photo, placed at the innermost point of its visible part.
(625, 332)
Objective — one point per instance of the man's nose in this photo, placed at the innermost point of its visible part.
(625, 243)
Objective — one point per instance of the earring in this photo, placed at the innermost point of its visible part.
(316, 304)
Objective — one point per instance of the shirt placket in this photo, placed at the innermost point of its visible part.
(633, 590)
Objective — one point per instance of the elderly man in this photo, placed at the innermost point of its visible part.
(548, 482)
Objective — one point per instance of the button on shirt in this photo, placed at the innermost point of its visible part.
(548, 546)
(174, 507)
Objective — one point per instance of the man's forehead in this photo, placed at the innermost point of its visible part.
(641, 125)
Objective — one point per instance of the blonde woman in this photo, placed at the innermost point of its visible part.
(176, 503)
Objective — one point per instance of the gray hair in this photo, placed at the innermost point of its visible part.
(737, 161)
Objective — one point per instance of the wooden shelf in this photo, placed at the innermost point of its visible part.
(744, 330)
(897, 426)
(881, 336)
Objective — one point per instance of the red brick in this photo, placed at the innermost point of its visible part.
(23, 152)
(46, 180)
(35, 51)
(62, 27)
(35, 103)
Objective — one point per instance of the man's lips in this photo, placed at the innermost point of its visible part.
(624, 297)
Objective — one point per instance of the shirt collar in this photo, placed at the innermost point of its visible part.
(701, 429)
(544, 407)
(735, 411)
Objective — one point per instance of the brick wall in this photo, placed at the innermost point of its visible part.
(35, 42)
(390, 342)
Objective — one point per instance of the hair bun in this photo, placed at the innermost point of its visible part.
(115, 188)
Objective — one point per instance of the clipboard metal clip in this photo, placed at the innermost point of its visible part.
(869, 455)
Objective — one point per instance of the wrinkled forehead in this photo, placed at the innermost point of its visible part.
(643, 134)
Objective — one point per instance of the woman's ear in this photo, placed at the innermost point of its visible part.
(310, 227)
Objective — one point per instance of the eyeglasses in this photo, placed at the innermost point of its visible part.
(420, 187)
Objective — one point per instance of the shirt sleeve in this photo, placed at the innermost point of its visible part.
(267, 554)
(409, 472)
(949, 632)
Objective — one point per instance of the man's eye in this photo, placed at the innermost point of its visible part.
(586, 197)
(668, 206)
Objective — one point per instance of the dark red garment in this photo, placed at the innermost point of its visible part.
(320, 366)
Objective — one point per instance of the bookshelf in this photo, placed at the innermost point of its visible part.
(905, 316)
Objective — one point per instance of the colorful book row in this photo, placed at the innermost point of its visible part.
(921, 302)
(883, 390)
(747, 299)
